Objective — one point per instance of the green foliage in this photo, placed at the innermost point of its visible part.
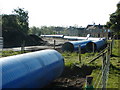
(35, 30)
(22, 19)
(115, 50)
(17, 21)
(9, 22)
(114, 23)
(51, 30)
(11, 31)
(15, 29)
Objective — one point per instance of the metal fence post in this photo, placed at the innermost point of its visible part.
(79, 53)
(54, 43)
(23, 47)
(93, 48)
(110, 48)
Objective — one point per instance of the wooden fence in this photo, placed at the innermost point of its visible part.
(101, 80)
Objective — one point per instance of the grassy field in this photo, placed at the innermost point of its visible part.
(114, 72)
(71, 59)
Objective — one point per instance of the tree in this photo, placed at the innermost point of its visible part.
(114, 23)
(22, 19)
(11, 32)
(35, 30)
(9, 22)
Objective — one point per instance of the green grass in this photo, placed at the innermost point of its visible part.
(11, 53)
(114, 73)
(70, 58)
(116, 48)
(113, 79)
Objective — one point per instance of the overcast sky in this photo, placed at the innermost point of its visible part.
(62, 12)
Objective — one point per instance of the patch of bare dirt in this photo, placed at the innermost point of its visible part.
(73, 77)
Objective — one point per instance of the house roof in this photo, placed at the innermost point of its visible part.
(80, 28)
(94, 27)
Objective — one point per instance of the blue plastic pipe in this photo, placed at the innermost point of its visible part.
(96, 45)
(31, 70)
(73, 45)
(99, 44)
(53, 36)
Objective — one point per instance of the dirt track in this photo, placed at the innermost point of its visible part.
(58, 41)
(49, 45)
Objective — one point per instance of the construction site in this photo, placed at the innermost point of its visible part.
(64, 62)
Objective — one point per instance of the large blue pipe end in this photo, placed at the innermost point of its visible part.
(95, 45)
(31, 70)
(74, 45)
(86, 45)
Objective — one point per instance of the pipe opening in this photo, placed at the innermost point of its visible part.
(68, 47)
(91, 46)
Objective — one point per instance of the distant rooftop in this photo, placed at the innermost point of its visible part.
(94, 27)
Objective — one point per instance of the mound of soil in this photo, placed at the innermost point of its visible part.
(72, 77)
(16, 38)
